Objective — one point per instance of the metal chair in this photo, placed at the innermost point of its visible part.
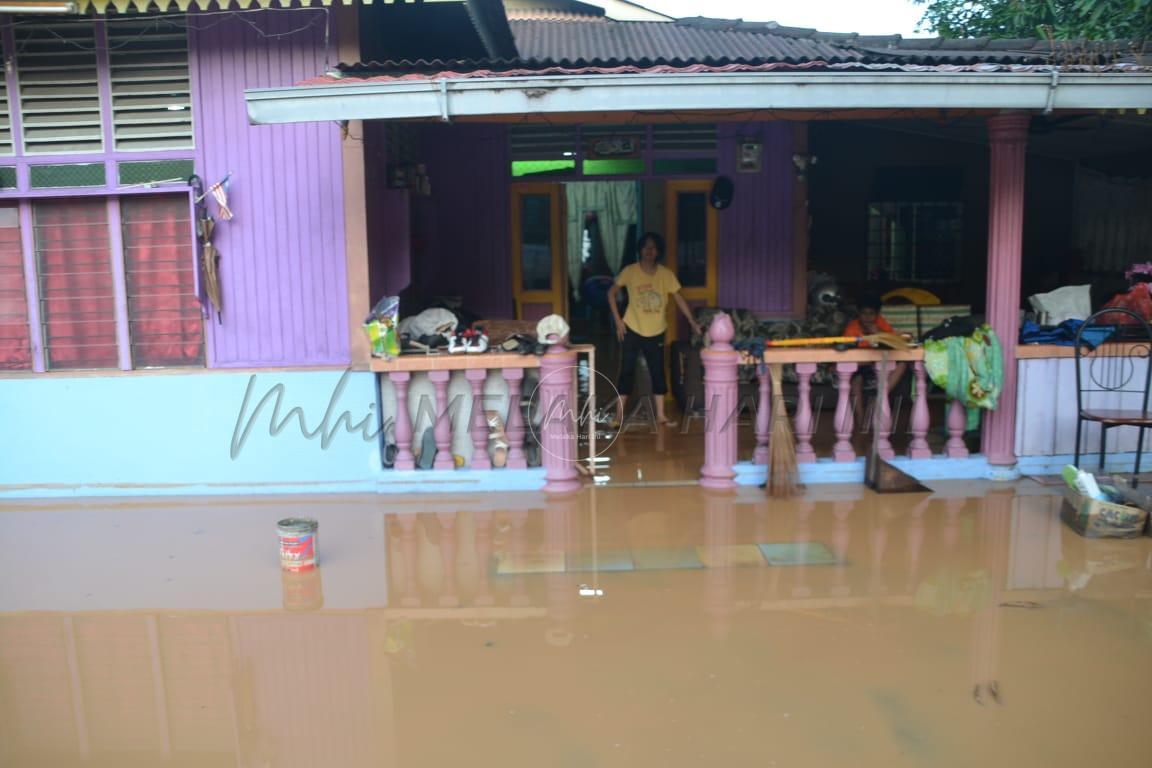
(1113, 376)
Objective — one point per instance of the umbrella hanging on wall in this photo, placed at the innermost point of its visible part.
(209, 255)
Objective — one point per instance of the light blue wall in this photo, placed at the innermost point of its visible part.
(183, 434)
(171, 432)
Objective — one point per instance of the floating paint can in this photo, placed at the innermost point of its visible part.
(297, 543)
(302, 590)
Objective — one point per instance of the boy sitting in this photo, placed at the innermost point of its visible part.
(869, 321)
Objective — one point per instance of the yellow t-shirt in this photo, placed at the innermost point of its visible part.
(647, 298)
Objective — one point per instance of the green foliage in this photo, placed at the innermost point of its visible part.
(1060, 19)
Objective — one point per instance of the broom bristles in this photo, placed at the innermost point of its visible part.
(783, 474)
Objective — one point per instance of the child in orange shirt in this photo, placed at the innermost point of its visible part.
(869, 321)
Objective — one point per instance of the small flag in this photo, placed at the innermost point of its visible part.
(219, 191)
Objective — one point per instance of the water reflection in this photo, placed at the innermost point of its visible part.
(728, 627)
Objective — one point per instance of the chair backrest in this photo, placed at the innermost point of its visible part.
(1113, 348)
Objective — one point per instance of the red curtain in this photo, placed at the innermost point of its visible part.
(15, 340)
(164, 316)
(78, 306)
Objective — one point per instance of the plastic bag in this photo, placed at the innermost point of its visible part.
(1072, 302)
(381, 326)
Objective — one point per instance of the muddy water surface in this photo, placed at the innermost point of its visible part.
(621, 627)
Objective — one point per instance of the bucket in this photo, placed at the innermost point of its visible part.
(297, 543)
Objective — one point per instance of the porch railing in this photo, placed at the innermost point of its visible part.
(721, 375)
(455, 393)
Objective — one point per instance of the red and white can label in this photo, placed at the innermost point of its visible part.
(298, 553)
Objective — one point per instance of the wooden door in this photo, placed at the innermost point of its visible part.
(692, 244)
(539, 274)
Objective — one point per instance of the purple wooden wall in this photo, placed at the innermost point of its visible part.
(463, 242)
(756, 231)
(283, 269)
(464, 247)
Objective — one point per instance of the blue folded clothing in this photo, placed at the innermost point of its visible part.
(1064, 334)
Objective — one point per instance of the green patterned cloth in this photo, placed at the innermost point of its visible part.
(968, 368)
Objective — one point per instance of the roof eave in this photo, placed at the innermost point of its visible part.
(518, 96)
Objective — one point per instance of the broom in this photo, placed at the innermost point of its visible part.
(783, 475)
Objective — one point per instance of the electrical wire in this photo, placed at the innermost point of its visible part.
(321, 15)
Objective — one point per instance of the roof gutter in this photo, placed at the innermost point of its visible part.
(725, 91)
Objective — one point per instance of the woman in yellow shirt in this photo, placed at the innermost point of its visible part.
(641, 330)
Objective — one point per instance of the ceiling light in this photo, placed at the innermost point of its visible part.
(177, 107)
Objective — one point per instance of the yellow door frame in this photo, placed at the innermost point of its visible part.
(557, 295)
(707, 293)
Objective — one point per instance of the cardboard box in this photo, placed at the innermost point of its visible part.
(1101, 519)
(1140, 496)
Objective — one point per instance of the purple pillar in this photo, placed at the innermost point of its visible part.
(514, 427)
(845, 420)
(558, 427)
(721, 363)
(804, 421)
(442, 430)
(1008, 136)
(763, 416)
(918, 448)
(404, 457)
(480, 459)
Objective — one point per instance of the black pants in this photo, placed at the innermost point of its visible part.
(652, 347)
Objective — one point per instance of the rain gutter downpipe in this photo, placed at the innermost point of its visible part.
(444, 117)
(1052, 91)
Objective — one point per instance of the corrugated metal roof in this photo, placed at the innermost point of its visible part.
(381, 72)
(600, 46)
(942, 50)
(579, 42)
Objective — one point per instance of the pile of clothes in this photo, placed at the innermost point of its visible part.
(963, 357)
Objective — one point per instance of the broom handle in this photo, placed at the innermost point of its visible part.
(820, 340)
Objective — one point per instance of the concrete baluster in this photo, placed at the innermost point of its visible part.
(845, 418)
(480, 459)
(514, 426)
(883, 411)
(442, 429)
(763, 416)
(403, 423)
(805, 424)
(721, 363)
(957, 422)
(918, 448)
(558, 427)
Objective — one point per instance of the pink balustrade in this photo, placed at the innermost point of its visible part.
(722, 364)
(553, 400)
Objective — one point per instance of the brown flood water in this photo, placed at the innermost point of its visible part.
(966, 628)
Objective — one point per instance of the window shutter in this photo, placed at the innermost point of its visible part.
(59, 87)
(15, 340)
(151, 88)
(164, 317)
(542, 142)
(698, 139)
(77, 300)
(5, 116)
